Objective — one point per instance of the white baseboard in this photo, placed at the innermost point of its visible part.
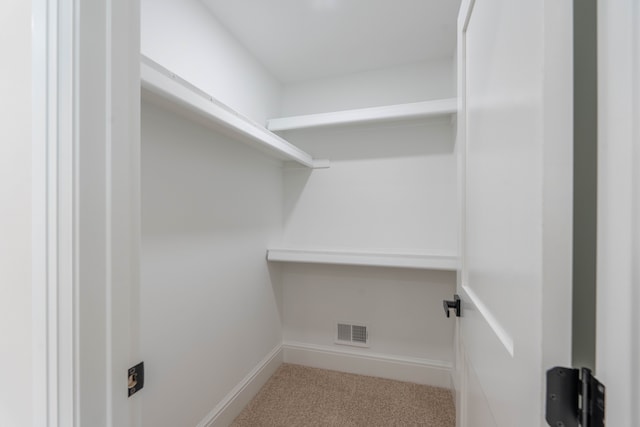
(230, 407)
(422, 371)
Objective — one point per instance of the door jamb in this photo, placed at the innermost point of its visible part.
(618, 272)
(85, 211)
(459, 375)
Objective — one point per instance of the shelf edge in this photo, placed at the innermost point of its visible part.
(439, 107)
(374, 259)
(178, 91)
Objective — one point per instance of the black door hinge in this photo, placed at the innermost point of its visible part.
(574, 398)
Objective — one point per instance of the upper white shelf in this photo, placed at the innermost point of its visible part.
(375, 259)
(161, 85)
(415, 110)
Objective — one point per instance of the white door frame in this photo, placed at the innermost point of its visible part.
(459, 374)
(85, 211)
(618, 268)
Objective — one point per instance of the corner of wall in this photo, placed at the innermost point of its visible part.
(185, 37)
(230, 407)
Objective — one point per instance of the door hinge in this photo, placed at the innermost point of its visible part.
(574, 398)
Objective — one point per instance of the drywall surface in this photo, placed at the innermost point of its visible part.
(184, 36)
(392, 185)
(397, 85)
(15, 215)
(401, 307)
(389, 187)
(209, 300)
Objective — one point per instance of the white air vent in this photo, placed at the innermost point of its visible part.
(352, 334)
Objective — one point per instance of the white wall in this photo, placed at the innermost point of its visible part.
(15, 214)
(391, 187)
(209, 300)
(183, 36)
(407, 83)
(402, 308)
(211, 207)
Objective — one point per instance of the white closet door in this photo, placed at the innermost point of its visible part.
(515, 142)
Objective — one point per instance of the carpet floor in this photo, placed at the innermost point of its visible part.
(302, 396)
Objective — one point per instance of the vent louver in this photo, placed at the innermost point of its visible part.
(344, 332)
(350, 334)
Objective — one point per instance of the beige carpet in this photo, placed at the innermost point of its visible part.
(301, 396)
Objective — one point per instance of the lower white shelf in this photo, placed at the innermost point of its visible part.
(374, 259)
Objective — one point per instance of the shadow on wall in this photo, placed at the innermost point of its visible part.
(275, 277)
(295, 181)
(379, 178)
(195, 181)
(389, 140)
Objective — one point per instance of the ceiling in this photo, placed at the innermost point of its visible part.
(308, 39)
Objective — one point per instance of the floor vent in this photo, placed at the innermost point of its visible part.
(350, 334)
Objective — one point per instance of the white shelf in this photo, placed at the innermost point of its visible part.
(162, 86)
(375, 259)
(416, 110)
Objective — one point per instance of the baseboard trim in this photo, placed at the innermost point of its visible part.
(230, 407)
(422, 371)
